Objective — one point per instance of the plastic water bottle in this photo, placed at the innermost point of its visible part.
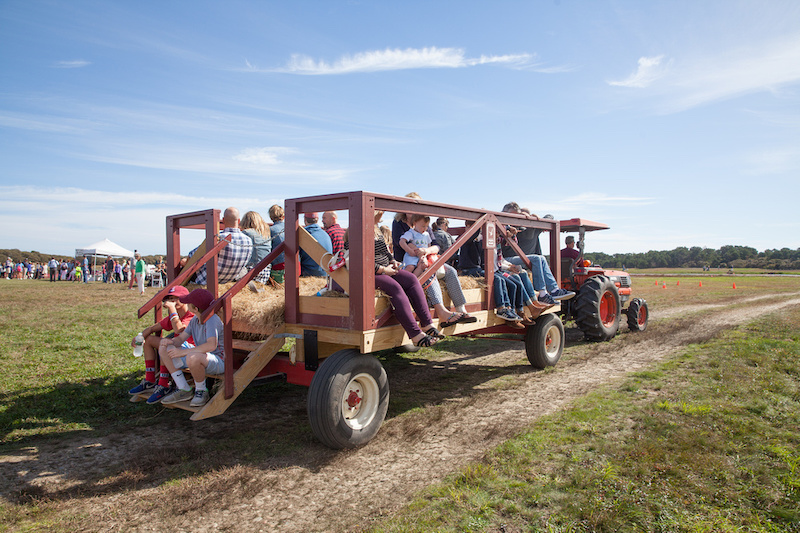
(137, 346)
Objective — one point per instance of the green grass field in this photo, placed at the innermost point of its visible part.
(705, 441)
(65, 355)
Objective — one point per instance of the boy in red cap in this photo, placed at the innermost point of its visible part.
(178, 318)
(206, 357)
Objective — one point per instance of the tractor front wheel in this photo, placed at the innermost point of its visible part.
(597, 309)
(348, 399)
(638, 315)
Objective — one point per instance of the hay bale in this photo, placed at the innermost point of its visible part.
(264, 311)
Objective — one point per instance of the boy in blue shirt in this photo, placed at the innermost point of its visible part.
(206, 357)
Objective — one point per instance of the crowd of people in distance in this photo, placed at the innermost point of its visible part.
(24, 270)
(112, 270)
(401, 253)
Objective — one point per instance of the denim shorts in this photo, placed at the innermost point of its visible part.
(216, 365)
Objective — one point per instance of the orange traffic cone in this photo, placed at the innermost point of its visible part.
(734, 285)
(701, 283)
(679, 282)
(656, 282)
(665, 285)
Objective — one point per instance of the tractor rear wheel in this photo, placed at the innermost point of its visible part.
(348, 399)
(597, 309)
(544, 341)
(638, 315)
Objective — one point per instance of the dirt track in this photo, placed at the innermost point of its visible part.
(346, 489)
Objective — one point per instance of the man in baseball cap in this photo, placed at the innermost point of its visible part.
(207, 356)
(570, 251)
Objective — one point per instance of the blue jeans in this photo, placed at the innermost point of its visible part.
(524, 289)
(475, 272)
(542, 275)
(501, 291)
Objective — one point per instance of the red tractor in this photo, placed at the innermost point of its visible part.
(600, 294)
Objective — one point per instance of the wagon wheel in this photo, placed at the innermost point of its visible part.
(597, 309)
(638, 315)
(348, 399)
(544, 341)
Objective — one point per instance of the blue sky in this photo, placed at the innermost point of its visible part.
(675, 122)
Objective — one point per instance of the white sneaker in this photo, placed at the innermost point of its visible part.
(177, 396)
(200, 398)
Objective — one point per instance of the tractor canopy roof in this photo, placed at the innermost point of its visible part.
(574, 224)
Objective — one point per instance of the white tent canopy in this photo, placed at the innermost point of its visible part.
(104, 247)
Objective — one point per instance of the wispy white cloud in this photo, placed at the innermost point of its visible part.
(743, 71)
(595, 199)
(648, 71)
(772, 161)
(251, 165)
(43, 123)
(397, 59)
(76, 63)
(263, 156)
(694, 80)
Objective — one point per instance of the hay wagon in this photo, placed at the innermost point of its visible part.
(334, 338)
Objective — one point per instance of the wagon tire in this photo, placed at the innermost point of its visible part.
(638, 315)
(348, 399)
(597, 309)
(544, 341)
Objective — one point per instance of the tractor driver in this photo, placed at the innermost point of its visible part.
(570, 251)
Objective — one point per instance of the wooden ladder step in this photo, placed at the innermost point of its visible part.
(182, 405)
(249, 346)
(253, 364)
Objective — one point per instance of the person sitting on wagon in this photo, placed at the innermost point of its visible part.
(309, 267)
(443, 238)
(544, 282)
(404, 291)
(433, 291)
(206, 357)
(334, 231)
(417, 244)
(254, 226)
(504, 291)
(570, 251)
(277, 215)
(177, 319)
(233, 258)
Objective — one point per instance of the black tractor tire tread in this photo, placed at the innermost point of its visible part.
(633, 314)
(586, 309)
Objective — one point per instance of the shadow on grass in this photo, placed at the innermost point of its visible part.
(91, 437)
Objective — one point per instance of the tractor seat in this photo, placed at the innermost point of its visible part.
(567, 267)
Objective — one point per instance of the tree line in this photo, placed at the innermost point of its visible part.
(681, 257)
(697, 257)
